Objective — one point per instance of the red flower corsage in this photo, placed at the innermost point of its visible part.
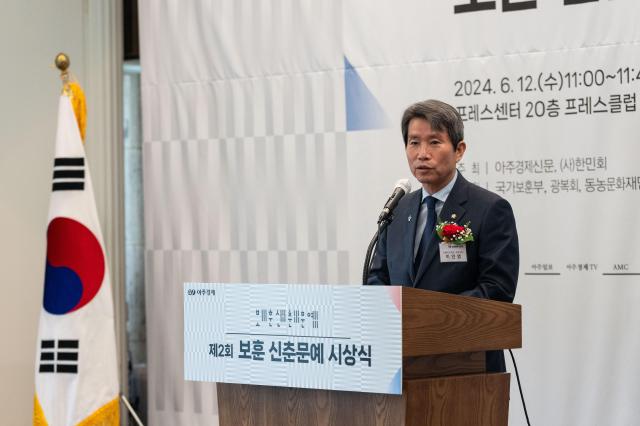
(451, 232)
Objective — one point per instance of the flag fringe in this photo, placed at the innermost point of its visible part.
(38, 414)
(107, 415)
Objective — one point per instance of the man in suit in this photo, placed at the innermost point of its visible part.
(409, 251)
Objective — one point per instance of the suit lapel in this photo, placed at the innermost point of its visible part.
(452, 211)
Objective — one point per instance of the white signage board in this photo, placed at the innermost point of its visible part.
(306, 336)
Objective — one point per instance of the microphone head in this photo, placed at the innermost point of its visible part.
(404, 184)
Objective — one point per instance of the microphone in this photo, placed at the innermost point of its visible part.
(403, 187)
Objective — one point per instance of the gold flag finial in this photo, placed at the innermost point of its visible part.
(73, 90)
(62, 63)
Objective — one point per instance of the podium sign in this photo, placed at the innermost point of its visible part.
(305, 336)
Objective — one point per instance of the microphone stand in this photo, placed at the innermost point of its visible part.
(382, 225)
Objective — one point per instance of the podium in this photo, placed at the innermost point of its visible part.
(444, 381)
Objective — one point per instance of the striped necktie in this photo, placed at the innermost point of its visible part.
(427, 234)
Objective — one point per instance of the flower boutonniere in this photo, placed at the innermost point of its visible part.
(451, 232)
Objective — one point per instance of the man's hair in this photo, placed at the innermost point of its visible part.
(441, 116)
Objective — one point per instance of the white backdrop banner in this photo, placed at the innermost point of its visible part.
(272, 139)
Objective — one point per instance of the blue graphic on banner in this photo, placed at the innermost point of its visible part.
(363, 109)
(395, 386)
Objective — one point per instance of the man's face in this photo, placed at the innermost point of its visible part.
(431, 156)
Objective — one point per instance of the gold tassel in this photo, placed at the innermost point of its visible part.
(76, 95)
(73, 90)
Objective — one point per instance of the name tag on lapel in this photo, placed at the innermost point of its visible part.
(453, 253)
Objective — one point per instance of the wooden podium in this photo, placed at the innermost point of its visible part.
(444, 339)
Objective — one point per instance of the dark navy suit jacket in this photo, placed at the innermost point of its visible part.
(491, 270)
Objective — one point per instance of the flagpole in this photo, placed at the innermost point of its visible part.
(72, 90)
(131, 410)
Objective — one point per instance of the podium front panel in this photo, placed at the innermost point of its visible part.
(345, 338)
